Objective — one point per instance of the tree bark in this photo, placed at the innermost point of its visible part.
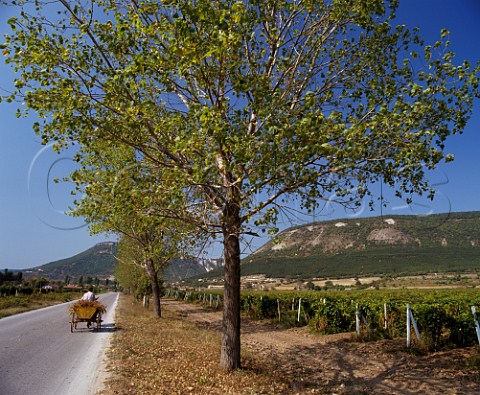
(146, 301)
(230, 347)
(152, 273)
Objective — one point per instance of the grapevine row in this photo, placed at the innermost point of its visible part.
(443, 316)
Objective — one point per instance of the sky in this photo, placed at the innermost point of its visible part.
(34, 229)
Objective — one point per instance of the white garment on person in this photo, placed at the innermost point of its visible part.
(89, 296)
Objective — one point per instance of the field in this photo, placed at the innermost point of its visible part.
(10, 305)
(443, 316)
(179, 353)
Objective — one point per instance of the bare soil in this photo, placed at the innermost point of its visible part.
(334, 364)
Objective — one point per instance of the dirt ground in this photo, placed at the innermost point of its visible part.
(333, 364)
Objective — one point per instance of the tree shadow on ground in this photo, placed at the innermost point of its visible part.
(381, 367)
(317, 364)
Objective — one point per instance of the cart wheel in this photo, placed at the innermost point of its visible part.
(99, 321)
(73, 323)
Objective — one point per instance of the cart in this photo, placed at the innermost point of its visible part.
(89, 314)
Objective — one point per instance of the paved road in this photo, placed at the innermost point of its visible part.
(39, 355)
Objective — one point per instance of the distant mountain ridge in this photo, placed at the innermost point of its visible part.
(385, 245)
(97, 261)
(100, 261)
(392, 245)
(372, 245)
(336, 236)
(181, 269)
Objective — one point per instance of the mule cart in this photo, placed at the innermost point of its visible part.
(89, 312)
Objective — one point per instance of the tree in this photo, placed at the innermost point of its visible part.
(130, 270)
(39, 283)
(155, 255)
(245, 104)
(118, 197)
(11, 277)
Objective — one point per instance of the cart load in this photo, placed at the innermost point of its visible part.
(86, 311)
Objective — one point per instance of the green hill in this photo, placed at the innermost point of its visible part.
(394, 245)
(388, 245)
(98, 261)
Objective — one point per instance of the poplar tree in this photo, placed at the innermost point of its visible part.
(119, 196)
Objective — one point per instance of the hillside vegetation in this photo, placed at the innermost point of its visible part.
(376, 245)
(388, 245)
(98, 261)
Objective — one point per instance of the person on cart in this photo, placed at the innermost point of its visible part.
(89, 295)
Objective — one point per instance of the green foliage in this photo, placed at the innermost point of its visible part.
(10, 277)
(474, 362)
(444, 317)
(333, 316)
(434, 320)
(7, 290)
(130, 270)
(232, 101)
(261, 307)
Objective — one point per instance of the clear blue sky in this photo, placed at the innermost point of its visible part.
(34, 230)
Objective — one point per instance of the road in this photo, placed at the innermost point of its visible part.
(39, 355)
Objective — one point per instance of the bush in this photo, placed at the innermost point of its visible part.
(432, 321)
(25, 290)
(7, 290)
(461, 331)
(331, 317)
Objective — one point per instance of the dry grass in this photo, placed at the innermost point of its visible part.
(11, 305)
(173, 356)
(88, 304)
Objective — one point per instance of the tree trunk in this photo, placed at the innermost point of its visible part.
(152, 273)
(230, 351)
(146, 301)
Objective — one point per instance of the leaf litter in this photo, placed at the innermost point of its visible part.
(180, 352)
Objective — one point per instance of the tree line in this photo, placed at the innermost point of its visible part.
(14, 283)
(10, 277)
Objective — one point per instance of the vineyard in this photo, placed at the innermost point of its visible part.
(443, 317)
